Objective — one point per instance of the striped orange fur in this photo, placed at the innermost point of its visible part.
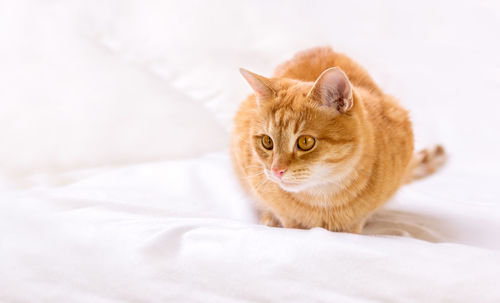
(362, 152)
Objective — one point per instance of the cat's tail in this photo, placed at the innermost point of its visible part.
(425, 163)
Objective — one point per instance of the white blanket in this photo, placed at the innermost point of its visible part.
(126, 106)
(182, 231)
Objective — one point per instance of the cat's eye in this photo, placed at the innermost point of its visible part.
(305, 142)
(267, 142)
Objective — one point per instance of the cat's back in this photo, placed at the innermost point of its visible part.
(307, 65)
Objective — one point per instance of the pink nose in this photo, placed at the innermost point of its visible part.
(279, 172)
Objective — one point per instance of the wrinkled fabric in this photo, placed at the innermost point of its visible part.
(184, 231)
(115, 178)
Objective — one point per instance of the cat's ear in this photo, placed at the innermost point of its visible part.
(333, 89)
(262, 86)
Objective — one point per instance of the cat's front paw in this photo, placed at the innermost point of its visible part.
(270, 220)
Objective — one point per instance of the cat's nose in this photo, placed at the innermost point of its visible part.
(279, 172)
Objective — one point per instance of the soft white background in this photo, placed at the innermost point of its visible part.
(89, 90)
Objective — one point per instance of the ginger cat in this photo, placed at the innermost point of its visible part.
(320, 145)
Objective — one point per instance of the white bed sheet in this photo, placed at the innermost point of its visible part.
(91, 85)
(182, 231)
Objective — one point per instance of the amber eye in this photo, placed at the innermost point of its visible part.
(267, 142)
(305, 143)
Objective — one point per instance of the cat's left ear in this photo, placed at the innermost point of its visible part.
(333, 89)
(262, 86)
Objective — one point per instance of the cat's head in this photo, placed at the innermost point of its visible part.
(305, 134)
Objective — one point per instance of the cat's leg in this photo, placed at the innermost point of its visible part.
(334, 226)
(357, 227)
(291, 223)
(426, 162)
(269, 219)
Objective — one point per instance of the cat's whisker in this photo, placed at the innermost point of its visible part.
(253, 169)
(260, 185)
(255, 175)
(253, 166)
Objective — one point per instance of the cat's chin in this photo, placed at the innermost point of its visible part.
(307, 186)
(292, 187)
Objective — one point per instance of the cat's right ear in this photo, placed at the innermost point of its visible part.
(333, 89)
(262, 86)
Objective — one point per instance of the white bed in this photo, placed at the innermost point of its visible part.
(115, 179)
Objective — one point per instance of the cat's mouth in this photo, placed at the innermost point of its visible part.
(292, 186)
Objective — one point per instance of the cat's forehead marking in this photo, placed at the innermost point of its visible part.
(282, 118)
(299, 125)
(288, 119)
(285, 124)
(285, 115)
